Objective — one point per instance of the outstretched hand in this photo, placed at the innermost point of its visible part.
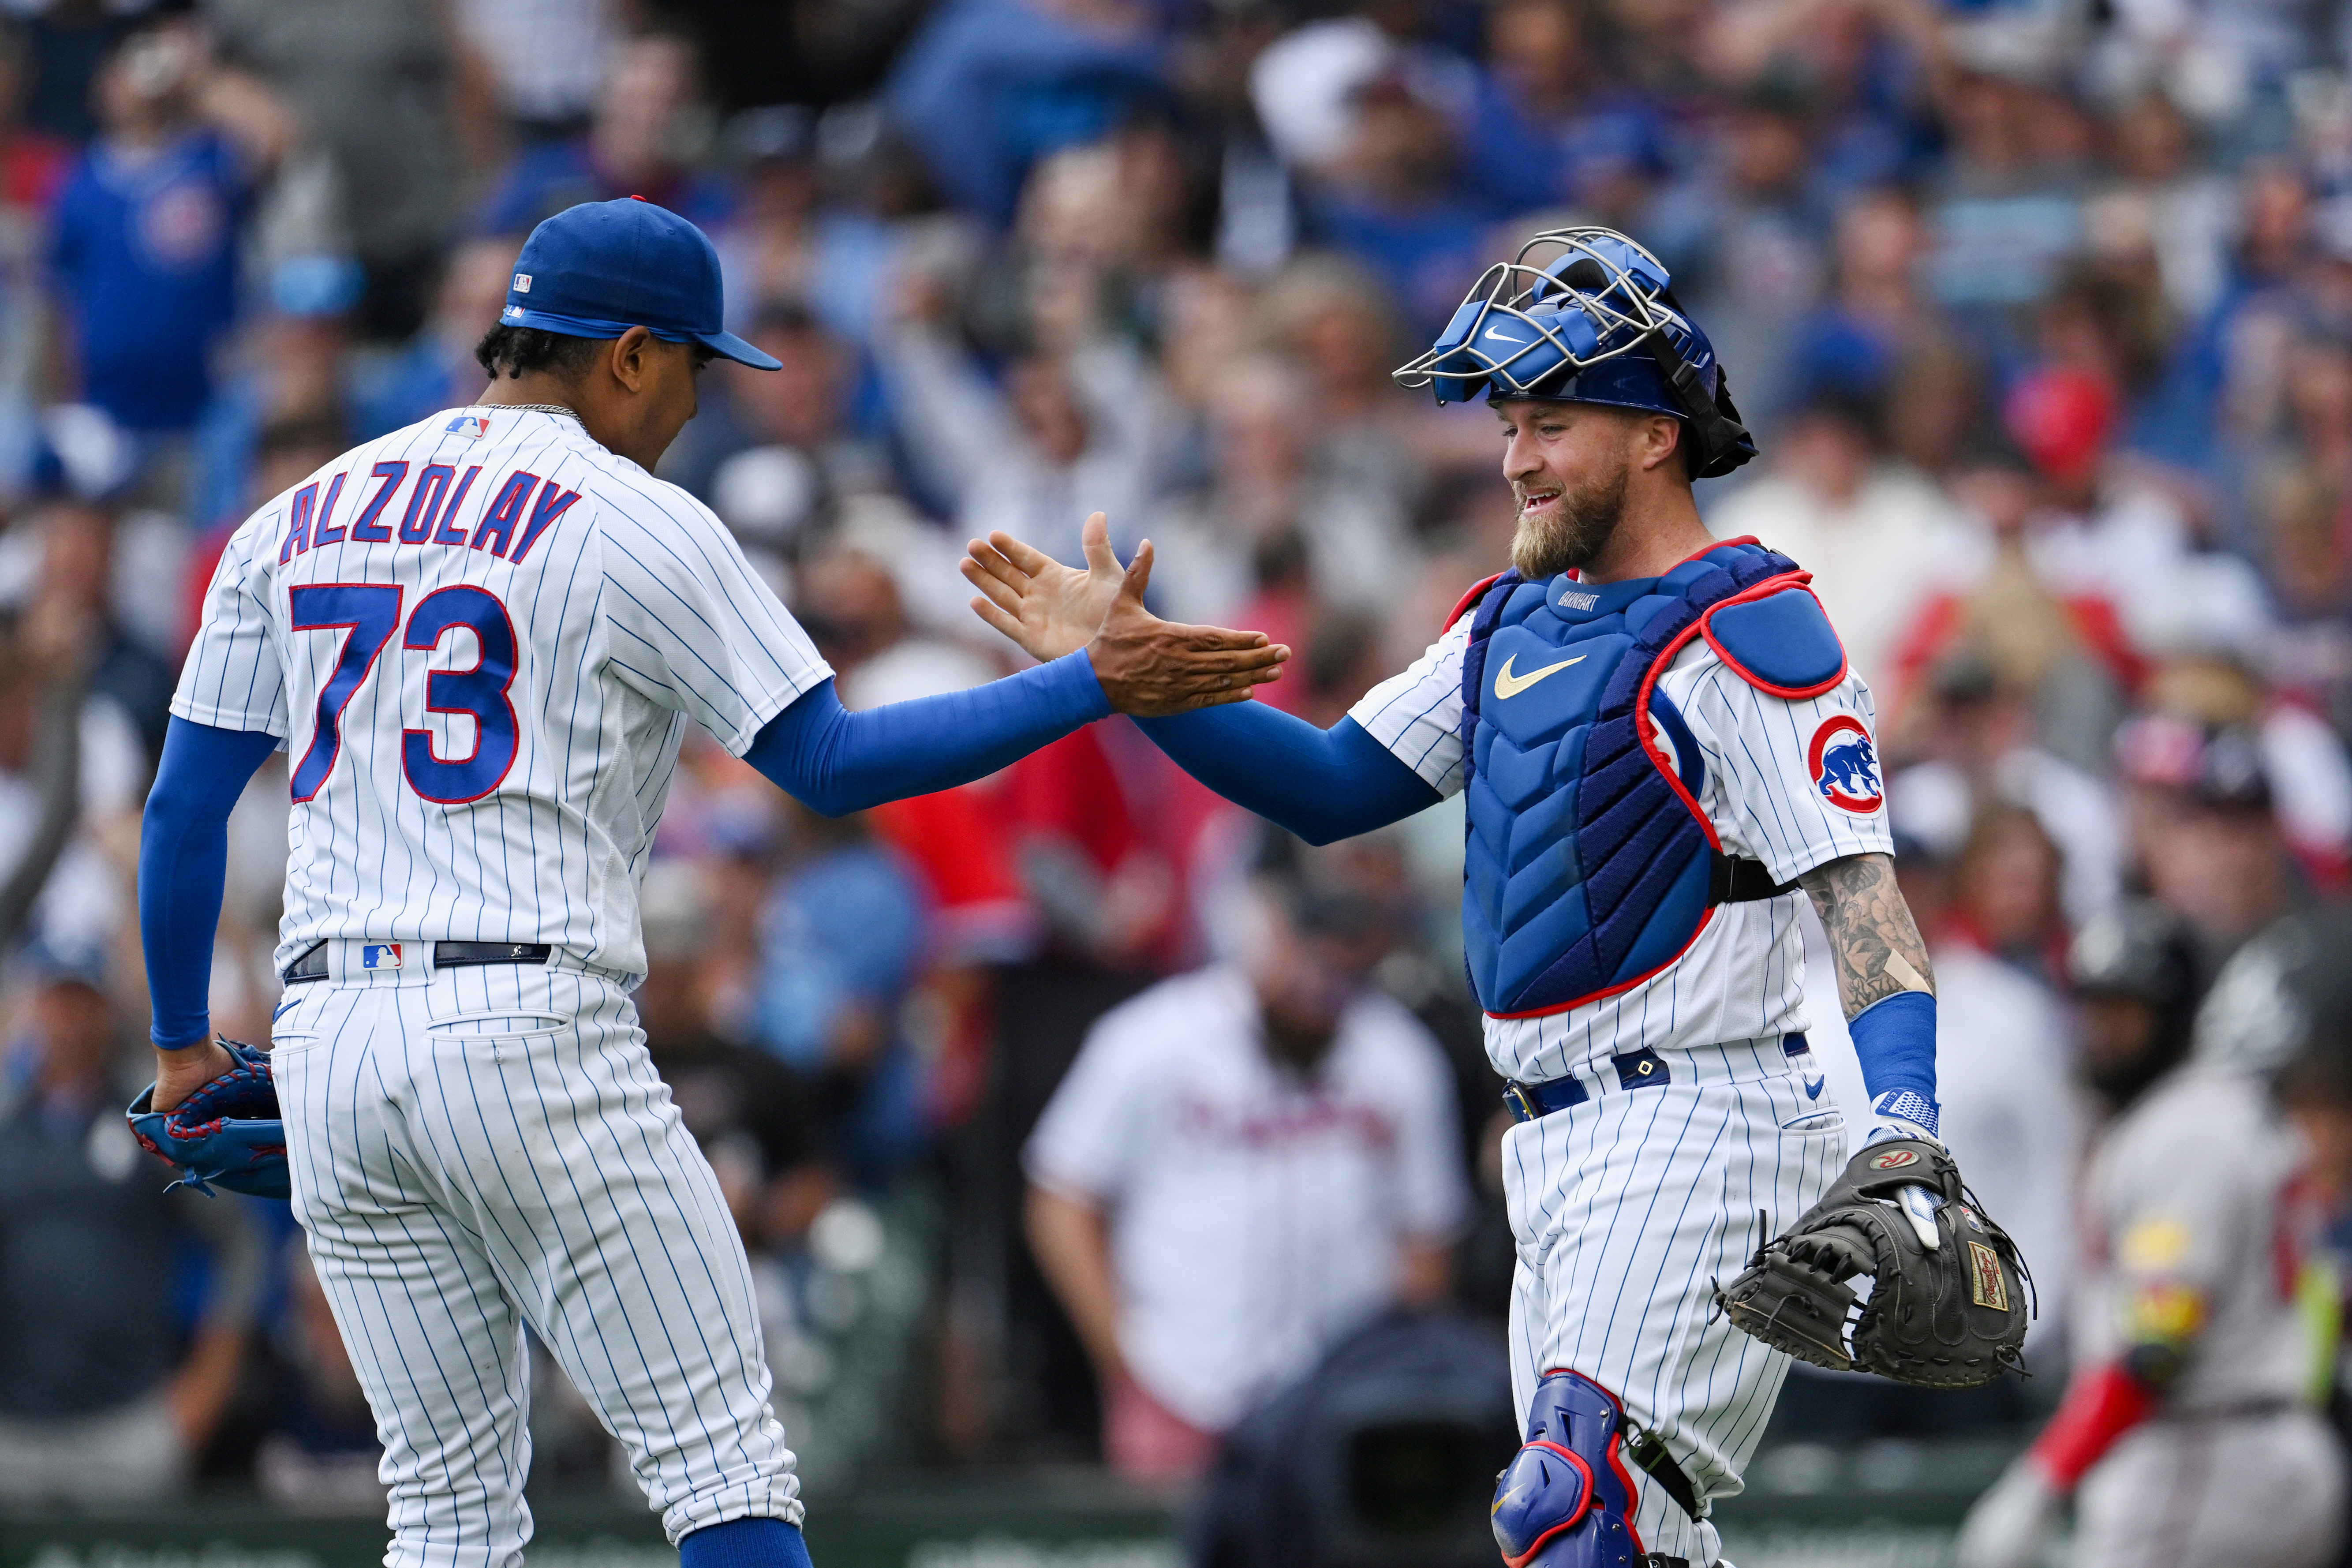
(1148, 666)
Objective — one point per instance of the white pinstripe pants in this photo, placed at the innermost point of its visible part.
(479, 1150)
(1626, 1209)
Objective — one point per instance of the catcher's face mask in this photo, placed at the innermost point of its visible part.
(1585, 315)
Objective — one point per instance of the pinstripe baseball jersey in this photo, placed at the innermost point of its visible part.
(480, 640)
(1773, 791)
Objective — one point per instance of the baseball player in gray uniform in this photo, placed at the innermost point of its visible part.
(481, 639)
(2190, 1436)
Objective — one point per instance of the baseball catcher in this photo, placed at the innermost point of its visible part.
(1663, 751)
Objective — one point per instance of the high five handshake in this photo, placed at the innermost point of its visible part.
(1148, 666)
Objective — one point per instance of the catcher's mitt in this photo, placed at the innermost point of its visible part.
(227, 1132)
(1953, 1316)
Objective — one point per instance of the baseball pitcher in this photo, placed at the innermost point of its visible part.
(481, 640)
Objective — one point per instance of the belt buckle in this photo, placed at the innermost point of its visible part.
(1519, 1103)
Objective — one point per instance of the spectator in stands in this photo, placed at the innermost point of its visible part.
(374, 82)
(2004, 1061)
(437, 370)
(2204, 837)
(1245, 1163)
(104, 1397)
(147, 229)
(844, 938)
(1329, 318)
(1063, 436)
(640, 144)
(318, 1451)
(545, 60)
(1975, 741)
(1266, 490)
(2058, 644)
(751, 1115)
(61, 832)
(805, 453)
(987, 88)
(1875, 534)
(1397, 202)
(33, 165)
(1554, 122)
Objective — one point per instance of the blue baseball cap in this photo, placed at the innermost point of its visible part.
(599, 268)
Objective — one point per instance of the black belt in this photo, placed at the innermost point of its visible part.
(312, 965)
(1736, 879)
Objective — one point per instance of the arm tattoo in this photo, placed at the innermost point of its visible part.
(1873, 940)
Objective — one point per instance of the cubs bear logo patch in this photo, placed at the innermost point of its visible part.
(1844, 764)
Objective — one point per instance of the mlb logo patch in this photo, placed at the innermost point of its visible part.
(476, 425)
(1844, 764)
(380, 955)
(522, 283)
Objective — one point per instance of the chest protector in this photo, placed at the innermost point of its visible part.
(1590, 865)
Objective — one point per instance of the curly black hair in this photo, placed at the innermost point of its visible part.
(518, 351)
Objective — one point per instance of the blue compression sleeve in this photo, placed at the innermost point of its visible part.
(836, 762)
(1322, 784)
(1894, 1038)
(182, 856)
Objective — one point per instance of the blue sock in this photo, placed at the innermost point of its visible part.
(744, 1543)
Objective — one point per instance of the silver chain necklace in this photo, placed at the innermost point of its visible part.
(570, 414)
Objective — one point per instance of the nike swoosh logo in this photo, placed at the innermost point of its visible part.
(1509, 685)
(1813, 1086)
(282, 1009)
(1498, 332)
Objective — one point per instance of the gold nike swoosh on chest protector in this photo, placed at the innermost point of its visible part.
(1509, 685)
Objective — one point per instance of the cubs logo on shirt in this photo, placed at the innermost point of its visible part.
(1845, 765)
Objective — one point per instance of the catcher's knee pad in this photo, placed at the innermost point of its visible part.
(1566, 1499)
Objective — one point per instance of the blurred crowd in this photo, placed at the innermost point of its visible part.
(2042, 312)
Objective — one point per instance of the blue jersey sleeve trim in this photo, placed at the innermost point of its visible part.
(836, 762)
(183, 859)
(1321, 785)
(1781, 644)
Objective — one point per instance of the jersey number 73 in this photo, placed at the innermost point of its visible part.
(368, 614)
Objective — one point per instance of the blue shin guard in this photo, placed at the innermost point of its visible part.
(1566, 1499)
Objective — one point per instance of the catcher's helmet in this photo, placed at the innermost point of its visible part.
(1585, 315)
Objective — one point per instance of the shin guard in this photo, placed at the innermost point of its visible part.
(1566, 1499)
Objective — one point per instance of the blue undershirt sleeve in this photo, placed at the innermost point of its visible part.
(836, 762)
(1895, 1040)
(183, 857)
(1321, 785)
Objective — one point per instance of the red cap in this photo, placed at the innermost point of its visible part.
(2061, 419)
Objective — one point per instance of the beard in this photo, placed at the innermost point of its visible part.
(1574, 532)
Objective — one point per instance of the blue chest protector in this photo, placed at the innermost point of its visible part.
(1590, 865)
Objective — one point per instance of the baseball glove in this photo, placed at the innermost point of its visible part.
(1950, 1316)
(227, 1132)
